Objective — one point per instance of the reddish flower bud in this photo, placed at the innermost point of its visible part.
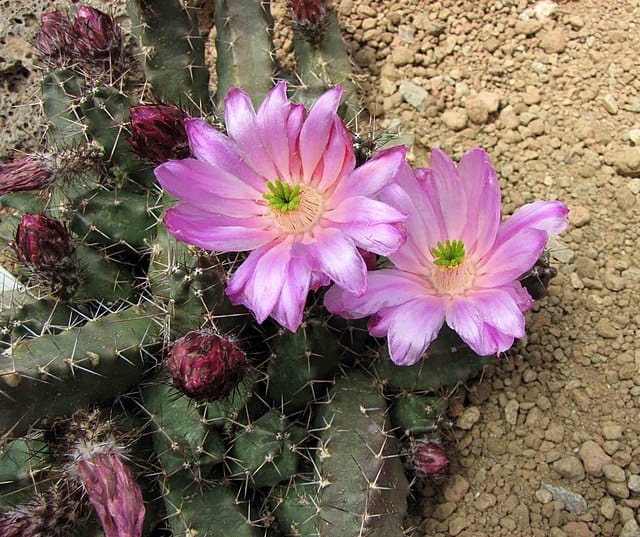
(43, 243)
(206, 366)
(429, 459)
(53, 39)
(309, 18)
(97, 34)
(158, 133)
(27, 173)
(113, 493)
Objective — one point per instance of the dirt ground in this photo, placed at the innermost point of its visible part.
(548, 444)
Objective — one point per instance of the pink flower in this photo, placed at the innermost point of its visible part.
(282, 183)
(460, 263)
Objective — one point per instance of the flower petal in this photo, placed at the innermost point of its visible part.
(483, 201)
(385, 288)
(497, 308)
(316, 130)
(242, 126)
(510, 259)
(413, 326)
(549, 216)
(382, 239)
(364, 210)
(337, 160)
(211, 146)
(373, 175)
(216, 232)
(289, 308)
(259, 291)
(337, 256)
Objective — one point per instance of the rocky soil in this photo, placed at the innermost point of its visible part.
(548, 443)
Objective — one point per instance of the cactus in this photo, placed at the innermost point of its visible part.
(273, 432)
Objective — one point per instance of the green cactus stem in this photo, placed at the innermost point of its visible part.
(61, 92)
(173, 53)
(54, 375)
(245, 51)
(416, 414)
(363, 489)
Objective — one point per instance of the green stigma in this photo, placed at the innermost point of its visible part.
(282, 197)
(450, 254)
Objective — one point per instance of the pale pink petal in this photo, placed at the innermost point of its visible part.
(378, 324)
(319, 279)
(296, 119)
(216, 232)
(497, 308)
(190, 177)
(289, 308)
(511, 259)
(414, 325)
(242, 126)
(483, 201)
(381, 239)
(337, 256)
(549, 216)
(237, 283)
(386, 287)
(446, 190)
(368, 179)
(272, 120)
(211, 146)
(316, 130)
(337, 160)
(364, 210)
(262, 287)
(520, 295)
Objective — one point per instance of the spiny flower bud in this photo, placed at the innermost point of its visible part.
(97, 34)
(429, 459)
(158, 133)
(27, 173)
(206, 366)
(52, 42)
(42, 242)
(309, 18)
(537, 280)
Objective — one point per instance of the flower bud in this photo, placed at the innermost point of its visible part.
(113, 493)
(53, 40)
(537, 280)
(27, 173)
(309, 18)
(43, 243)
(97, 34)
(206, 366)
(429, 459)
(158, 133)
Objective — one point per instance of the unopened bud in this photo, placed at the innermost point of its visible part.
(206, 366)
(429, 459)
(158, 133)
(52, 42)
(27, 173)
(97, 34)
(43, 243)
(309, 18)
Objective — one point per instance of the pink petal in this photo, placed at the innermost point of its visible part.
(413, 326)
(242, 126)
(296, 119)
(446, 190)
(316, 130)
(337, 256)
(289, 308)
(386, 287)
(483, 338)
(272, 120)
(211, 146)
(261, 288)
(549, 216)
(483, 201)
(382, 239)
(520, 296)
(510, 259)
(191, 178)
(364, 210)
(337, 160)
(216, 232)
(497, 308)
(368, 179)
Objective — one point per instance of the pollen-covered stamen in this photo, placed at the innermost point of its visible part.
(305, 214)
(282, 196)
(453, 271)
(450, 254)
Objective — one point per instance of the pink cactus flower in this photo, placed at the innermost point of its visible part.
(460, 263)
(26, 173)
(283, 184)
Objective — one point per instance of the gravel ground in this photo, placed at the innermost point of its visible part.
(547, 444)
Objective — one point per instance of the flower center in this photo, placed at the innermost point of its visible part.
(453, 272)
(294, 209)
(282, 197)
